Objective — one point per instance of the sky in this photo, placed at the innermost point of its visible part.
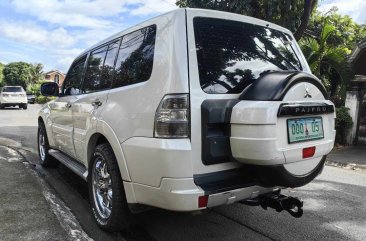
(54, 32)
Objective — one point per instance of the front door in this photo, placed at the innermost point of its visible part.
(62, 126)
(61, 109)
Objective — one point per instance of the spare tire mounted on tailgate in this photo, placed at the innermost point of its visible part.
(282, 126)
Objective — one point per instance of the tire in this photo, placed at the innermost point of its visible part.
(24, 106)
(45, 159)
(109, 209)
(279, 176)
(2, 107)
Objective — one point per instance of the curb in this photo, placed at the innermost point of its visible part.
(349, 166)
(62, 212)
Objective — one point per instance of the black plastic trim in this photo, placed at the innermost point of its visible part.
(215, 121)
(223, 181)
(306, 108)
(279, 176)
(273, 86)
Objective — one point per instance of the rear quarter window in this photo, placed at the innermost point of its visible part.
(231, 55)
(12, 89)
(135, 59)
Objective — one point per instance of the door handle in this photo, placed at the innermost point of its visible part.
(68, 105)
(97, 103)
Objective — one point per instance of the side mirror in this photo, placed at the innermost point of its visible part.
(49, 89)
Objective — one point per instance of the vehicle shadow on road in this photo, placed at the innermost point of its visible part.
(324, 216)
(332, 211)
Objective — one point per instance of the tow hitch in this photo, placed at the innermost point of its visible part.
(278, 202)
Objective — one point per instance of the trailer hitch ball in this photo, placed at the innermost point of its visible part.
(278, 202)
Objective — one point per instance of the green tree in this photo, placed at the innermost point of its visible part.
(342, 124)
(36, 72)
(293, 15)
(18, 73)
(347, 33)
(327, 61)
(1, 74)
(330, 39)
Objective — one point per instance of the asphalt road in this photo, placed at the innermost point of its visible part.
(334, 204)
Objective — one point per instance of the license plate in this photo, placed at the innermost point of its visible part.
(305, 129)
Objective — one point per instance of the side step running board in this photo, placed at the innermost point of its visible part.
(74, 165)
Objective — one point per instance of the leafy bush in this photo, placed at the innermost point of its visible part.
(342, 124)
(36, 90)
(43, 99)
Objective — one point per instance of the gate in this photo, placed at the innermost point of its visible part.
(362, 124)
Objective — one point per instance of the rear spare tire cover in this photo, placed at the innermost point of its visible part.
(274, 86)
(280, 176)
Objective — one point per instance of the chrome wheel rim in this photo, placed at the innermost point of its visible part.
(102, 187)
(41, 144)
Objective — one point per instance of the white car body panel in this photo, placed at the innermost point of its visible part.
(62, 124)
(85, 114)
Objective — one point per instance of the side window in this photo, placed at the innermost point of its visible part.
(108, 68)
(135, 57)
(72, 82)
(93, 80)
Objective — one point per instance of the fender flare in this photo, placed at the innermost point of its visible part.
(105, 130)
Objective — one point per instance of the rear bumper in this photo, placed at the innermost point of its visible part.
(183, 194)
(161, 172)
(12, 101)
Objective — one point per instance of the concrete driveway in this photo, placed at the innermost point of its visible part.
(334, 204)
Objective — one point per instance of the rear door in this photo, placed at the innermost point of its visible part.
(97, 82)
(227, 53)
(61, 112)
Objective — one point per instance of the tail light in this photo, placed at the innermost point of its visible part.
(308, 152)
(5, 95)
(172, 117)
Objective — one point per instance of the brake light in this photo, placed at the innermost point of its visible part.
(308, 152)
(172, 117)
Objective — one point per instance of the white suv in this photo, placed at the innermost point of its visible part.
(187, 111)
(13, 96)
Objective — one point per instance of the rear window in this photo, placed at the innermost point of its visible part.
(231, 55)
(12, 89)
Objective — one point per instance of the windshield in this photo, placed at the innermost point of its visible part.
(231, 55)
(13, 89)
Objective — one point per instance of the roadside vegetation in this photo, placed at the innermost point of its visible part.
(30, 76)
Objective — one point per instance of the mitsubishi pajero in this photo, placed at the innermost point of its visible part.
(189, 110)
